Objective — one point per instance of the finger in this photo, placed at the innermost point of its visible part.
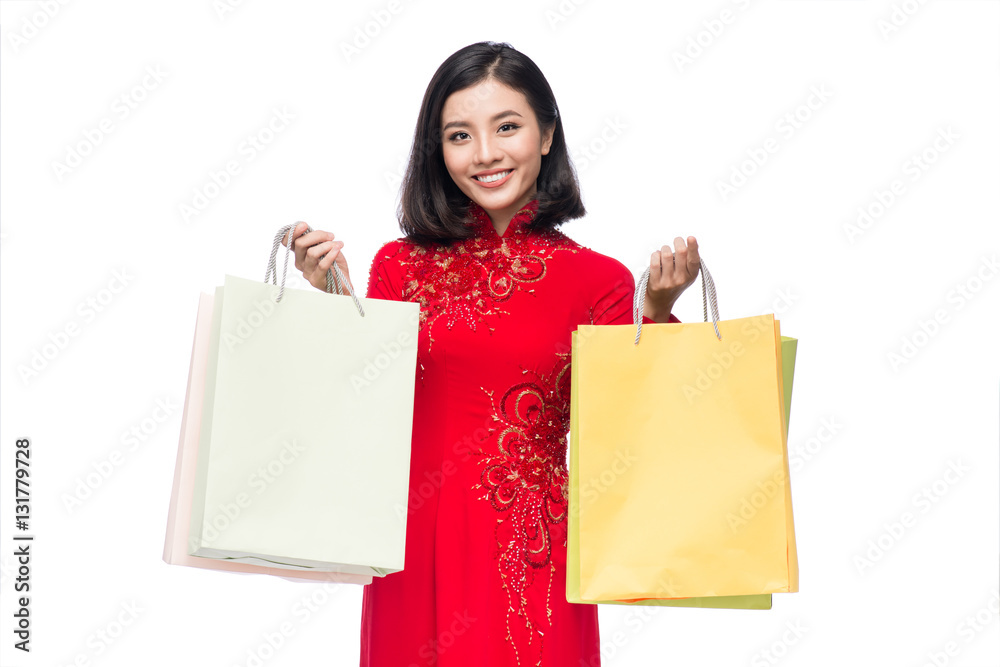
(305, 243)
(327, 260)
(315, 253)
(295, 232)
(298, 247)
(680, 254)
(312, 238)
(694, 258)
(667, 260)
(655, 271)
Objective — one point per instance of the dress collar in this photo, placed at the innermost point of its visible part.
(520, 224)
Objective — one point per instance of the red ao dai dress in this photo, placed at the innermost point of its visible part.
(484, 582)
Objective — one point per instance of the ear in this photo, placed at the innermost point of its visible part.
(547, 139)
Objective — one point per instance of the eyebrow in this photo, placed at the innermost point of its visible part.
(495, 118)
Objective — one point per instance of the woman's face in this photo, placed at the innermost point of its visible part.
(490, 129)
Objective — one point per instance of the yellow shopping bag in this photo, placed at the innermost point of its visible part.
(679, 465)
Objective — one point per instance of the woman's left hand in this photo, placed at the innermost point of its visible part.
(670, 273)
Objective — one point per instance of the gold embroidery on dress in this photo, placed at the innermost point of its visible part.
(525, 479)
(468, 280)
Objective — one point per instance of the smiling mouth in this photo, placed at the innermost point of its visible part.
(493, 178)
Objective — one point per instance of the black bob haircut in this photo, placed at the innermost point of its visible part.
(432, 207)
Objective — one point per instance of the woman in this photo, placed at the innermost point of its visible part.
(500, 290)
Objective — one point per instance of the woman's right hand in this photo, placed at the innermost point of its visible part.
(315, 253)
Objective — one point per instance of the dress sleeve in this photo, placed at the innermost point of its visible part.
(614, 306)
(383, 282)
(670, 320)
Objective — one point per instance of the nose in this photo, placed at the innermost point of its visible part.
(488, 150)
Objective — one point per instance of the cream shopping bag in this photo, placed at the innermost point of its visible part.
(175, 548)
(304, 444)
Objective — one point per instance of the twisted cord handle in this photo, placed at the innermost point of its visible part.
(334, 276)
(707, 292)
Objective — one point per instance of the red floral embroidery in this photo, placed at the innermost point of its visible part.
(524, 474)
(467, 280)
(525, 479)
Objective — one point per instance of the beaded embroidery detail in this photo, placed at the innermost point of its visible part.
(468, 279)
(524, 473)
(525, 479)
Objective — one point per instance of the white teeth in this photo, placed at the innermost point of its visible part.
(493, 177)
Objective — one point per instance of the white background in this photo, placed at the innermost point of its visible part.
(661, 136)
